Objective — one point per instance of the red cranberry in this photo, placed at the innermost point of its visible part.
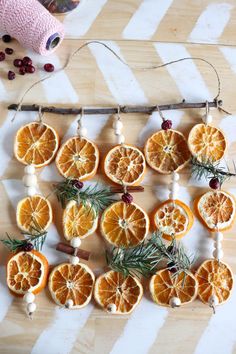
(172, 267)
(9, 51)
(6, 38)
(27, 61)
(28, 247)
(11, 75)
(22, 70)
(77, 184)
(2, 56)
(17, 63)
(127, 198)
(214, 183)
(30, 69)
(49, 67)
(166, 124)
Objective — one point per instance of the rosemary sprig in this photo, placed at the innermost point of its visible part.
(37, 240)
(209, 170)
(145, 258)
(95, 197)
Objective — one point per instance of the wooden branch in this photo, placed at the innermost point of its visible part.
(63, 247)
(113, 110)
(131, 189)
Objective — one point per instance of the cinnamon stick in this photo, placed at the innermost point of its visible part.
(63, 247)
(132, 189)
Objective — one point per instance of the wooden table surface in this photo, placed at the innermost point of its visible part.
(144, 33)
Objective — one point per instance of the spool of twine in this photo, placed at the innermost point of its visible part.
(31, 24)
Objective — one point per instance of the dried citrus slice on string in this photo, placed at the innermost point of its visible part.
(167, 151)
(124, 225)
(216, 210)
(116, 293)
(71, 282)
(27, 271)
(215, 279)
(36, 144)
(78, 158)
(125, 164)
(172, 218)
(33, 214)
(79, 220)
(207, 143)
(165, 286)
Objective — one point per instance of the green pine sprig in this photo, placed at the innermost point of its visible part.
(96, 197)
(208, 170)
(37, 239)
(145, 258)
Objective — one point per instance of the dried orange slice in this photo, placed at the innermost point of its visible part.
(125, 164)
(167, 151)
(71, 282)
(124, 225)
(79, 220)
(36, 144)
(206, 143)
(172, 218)
(215, 279)
(33, 213)
(27, 271)
(78, 158)
(164, 286)
(216, 210)
(122, 293)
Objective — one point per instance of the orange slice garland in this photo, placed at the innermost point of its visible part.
(216, 210)
(33, 213)
(206, 143)
(36, 144)
(215, 279)
(124, 225)
(27, 272)
(167, 151)
(79, 220)
(113, 290)
(164, 286)
(71, 282)
(172, 218)
(125, 164)
(78, 158)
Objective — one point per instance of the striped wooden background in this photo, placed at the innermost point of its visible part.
(143, 32)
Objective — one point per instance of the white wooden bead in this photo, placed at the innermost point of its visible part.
(117, 124)
(31, 307)
(31, 191)
(29, 170)
(213, 300)
(175, 176)
(82, 131)
(121, 139)
(29, 297)
(175, 302)
(74, 260)
(174, 187)
(207, 119)
(75, 242)
(69, 304)
(111, 308)
(118, 132)
(218, 236)
(218, 254)
(30, 180)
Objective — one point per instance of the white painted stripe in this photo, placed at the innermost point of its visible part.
(141, 329)
(78, 22)
(8, 131)
(146, 19)
(211, 23)
(60, 336)
(119, 78)
(219, 335)
(185, 74)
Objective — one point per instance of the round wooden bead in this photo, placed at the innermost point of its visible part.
(111, 308)
(218, 254)
(207, 119)
(30, 180)
(31, 307)
(121, 139)
(74, 260)
(218, 236)
(175, 302)
(175, 176)
(75, 242)
(31, 191)
(69, 304)
(29, 297)
(29, 170)
(118, 124)
(213, 300)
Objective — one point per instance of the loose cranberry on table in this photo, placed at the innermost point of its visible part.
(22, 70)
(18, 63)
(49, 67)
(6, 38)
(9, 51)
(2, 56)
(30, 69)
(11, 75)
(27, 61)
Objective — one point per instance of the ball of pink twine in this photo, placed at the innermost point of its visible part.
(31, 24)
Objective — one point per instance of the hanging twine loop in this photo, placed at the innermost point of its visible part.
(160, 113)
